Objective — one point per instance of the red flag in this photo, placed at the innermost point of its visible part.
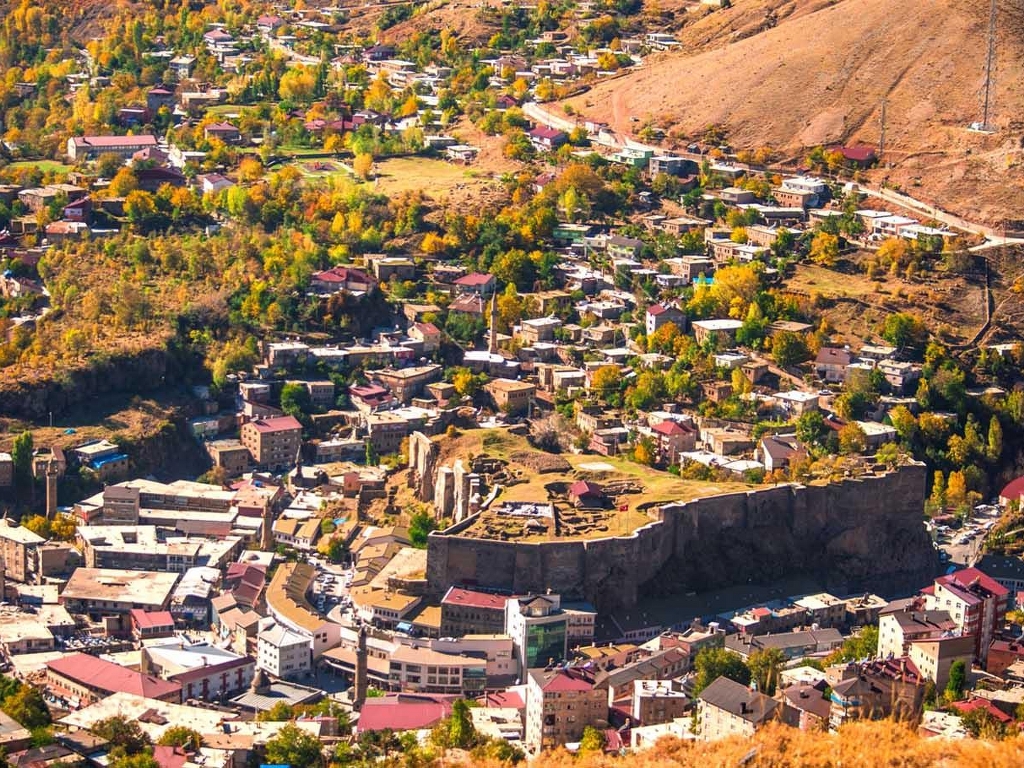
(624, 508)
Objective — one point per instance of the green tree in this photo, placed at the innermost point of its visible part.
(904, 330)
(765, 667)
(420, 526)
(852, 439)
(957, 680)
(713, 663)
(994, 449)
(888, 454)
(863, 645)
(123, 734)
(372, 459)
(457, 731)
(26, 705)
(789, 349)
(295, 747)
(982, 724)
(295, 400)
(279, 713)
(904, 422)
(811, 428)
(592, 740)
(21, 453)
(139, 760)
(606, 380)
(181, 736)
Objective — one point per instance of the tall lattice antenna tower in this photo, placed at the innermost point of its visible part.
(990, 62)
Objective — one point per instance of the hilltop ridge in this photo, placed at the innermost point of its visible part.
(800, 74)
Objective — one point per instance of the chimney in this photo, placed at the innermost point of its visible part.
(744, 709)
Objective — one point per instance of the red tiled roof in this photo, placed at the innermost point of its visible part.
(242, 570)
(426, 328)
(276, 424)
(585, 488)
(220, 127)
(169, 757)
(668, 427)
(151, 619)
(542, 132)
(342, 275)
(403, 712)
(966, 579)
(1013, 490)
(115, 141)
(969, 706)
(470, 303)
(109, 677)
(474, 599)
(860, 153)
(565, 680)
(474, 278)
(833, 356)
(504, 699)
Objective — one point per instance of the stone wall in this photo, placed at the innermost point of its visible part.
(861, 534)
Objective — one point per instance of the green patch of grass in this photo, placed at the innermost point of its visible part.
(46, 166)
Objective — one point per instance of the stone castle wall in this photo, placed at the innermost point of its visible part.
(862, 534)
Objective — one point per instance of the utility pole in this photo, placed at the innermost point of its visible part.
(990, 61)
(881, 138)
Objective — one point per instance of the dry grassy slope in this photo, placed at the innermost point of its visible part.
(819, 75)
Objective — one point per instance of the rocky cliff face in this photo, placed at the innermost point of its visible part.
(857, 535)
(133, 373)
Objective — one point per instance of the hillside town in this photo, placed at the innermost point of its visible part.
(358, 399)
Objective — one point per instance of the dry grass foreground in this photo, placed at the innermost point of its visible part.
(820, 76)
(858, 745)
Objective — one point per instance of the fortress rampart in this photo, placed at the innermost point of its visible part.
(861, 534)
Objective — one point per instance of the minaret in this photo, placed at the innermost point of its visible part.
(267, 534)
(492, 342)
(51, 489)
(359, 683)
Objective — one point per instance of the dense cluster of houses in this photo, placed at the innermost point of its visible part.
(176, 596)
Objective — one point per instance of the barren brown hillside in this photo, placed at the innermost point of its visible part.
(819, 75)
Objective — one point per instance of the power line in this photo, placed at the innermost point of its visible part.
(990, 61)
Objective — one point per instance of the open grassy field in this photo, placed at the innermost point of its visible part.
(857, 306)
(811, 278)
(435, 178)
(46, 166)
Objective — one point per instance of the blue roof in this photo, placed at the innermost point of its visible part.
(101, 462)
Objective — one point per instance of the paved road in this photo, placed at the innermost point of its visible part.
(993, 239)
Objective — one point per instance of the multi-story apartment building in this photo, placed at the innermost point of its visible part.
(18, 547)
(976, 602)
(560, 703)
(898, 629)
(273, 442)
(468, 612)
(282, 652)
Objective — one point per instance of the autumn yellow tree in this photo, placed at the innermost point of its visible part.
(362, 164)
(824, 249)
(606, 380)
(124, 181)
(250, 169)
(297, 84)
